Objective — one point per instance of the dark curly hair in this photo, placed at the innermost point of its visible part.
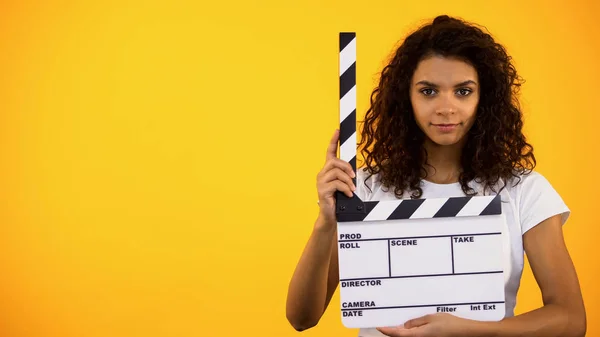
(496, 149)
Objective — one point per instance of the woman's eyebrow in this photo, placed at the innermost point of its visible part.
(430, 84)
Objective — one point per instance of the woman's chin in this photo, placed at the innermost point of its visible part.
(445, 140)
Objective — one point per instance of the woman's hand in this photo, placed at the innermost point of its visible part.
(435, 325)
(336, 175)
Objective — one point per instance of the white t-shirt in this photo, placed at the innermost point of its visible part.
(524, 206)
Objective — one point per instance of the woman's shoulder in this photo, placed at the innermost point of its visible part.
(529, 183)
(536, 199)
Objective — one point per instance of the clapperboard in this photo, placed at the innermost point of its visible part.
(401, 259)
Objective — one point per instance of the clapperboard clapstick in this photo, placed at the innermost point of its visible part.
(401, 259)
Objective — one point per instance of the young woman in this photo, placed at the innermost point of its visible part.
(444, 121)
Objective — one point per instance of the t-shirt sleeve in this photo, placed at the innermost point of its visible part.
(539, 201)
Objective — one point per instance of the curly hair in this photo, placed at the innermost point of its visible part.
(496, 149)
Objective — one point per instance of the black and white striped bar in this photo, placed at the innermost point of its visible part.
(347, 74)
(348, 209)
(427, 208)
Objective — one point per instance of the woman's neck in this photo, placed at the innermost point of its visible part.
(443, 162)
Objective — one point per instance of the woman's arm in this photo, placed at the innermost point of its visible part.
(315, 278)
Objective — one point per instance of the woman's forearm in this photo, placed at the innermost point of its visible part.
(307, 293)
(551, 320)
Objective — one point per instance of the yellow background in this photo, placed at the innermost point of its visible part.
(158, 159)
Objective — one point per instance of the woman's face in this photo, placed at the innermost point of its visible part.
(444, 94)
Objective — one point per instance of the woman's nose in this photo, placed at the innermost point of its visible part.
(446, 107)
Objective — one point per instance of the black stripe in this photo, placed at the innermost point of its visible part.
(348, 127)
(345, 39)
(369, 205)
(353, 164)
(452, 207)
(358, 216)
(406, 209)
(348, 80)
(350, 217)
(494, 208)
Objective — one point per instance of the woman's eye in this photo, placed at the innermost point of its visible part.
(464, 92)
(427, 92)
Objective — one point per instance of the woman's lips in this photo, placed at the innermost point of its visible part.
(445, 127)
